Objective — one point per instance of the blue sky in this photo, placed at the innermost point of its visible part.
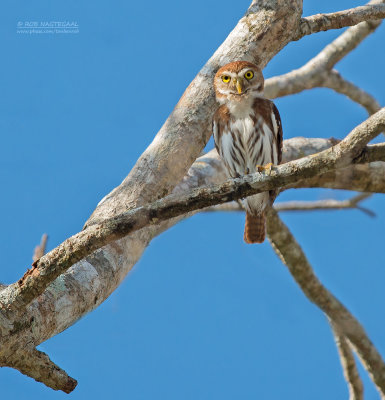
(202, 315)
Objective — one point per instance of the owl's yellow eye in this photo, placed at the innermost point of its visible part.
(225, 78)
(249, 75)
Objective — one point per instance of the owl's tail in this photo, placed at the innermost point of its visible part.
(254, 228)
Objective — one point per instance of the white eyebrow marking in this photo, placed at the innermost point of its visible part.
(244, 70)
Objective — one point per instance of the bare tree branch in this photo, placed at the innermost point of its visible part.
(40, 249)
(38, 366)
(372, 153)
(72, 250)
(260, 34)
(316, 71)
(95, 277)
(353, 16)
(326, 204)
(107, 267)
(91, 281)
(293, 257)
(116, 259)
(360, 178)
(333, 80)
(352, 377)
(258, 37)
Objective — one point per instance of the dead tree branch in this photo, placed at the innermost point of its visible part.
(24, 318)
(326, 204)
(293, 257)
(333, 80)
(340, 19)
(57, 261)
(38, 366)
(40, 249)
(91, 281)
(258, 37)
(352, 377)
(116, 259)
(318, 72)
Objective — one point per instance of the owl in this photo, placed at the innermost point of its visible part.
(248, 135)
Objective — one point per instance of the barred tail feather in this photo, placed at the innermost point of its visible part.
(254, 228)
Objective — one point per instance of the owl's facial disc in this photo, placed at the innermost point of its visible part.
(238, 82)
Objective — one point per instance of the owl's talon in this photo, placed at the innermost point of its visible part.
(265, 168)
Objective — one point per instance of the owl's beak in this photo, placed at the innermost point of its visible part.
(239, 85)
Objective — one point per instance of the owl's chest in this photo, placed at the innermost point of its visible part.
(246, 143)
(237, 145)
(242, 130)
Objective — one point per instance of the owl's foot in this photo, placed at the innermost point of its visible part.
(265, 168)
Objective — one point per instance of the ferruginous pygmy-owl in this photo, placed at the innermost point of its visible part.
(248, 135)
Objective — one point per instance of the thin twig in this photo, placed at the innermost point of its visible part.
(325, 204)
(348, 363)
(40, 249)
(334, 80)
(291, 254)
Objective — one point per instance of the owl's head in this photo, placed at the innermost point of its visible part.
(237, 81)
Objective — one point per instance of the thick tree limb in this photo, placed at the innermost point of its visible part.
(264, 30)
(258, 36)
(340, 19)
(352, 377)
(360, 178)
(89, 282)
(72, 250)
(372, 153)
(293, 257)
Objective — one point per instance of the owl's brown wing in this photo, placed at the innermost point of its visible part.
(220, 119)
(279, 143)
(279, 133)
(220, 127)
